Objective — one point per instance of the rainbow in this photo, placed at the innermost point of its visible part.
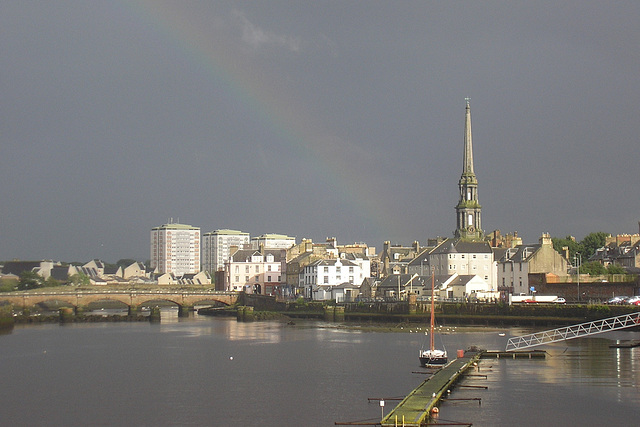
(283, 114)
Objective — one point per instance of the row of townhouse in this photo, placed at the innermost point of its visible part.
(98, 273)
(505, 270)
(454, 287)
(328, 271)
(622, 251)
(296, 270)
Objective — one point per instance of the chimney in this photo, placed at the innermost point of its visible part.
(416, 246)
(545, 239)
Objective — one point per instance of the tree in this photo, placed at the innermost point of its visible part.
(8, 285)
(569, 242)
(615, 269)
(586, 247)
(79, 279)
(29, 280)
(51, 282)
(592, 242)
(593, 268)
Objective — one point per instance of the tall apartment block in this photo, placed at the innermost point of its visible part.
(175, 248)
(216, 247)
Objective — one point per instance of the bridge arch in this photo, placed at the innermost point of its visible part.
(184, 299)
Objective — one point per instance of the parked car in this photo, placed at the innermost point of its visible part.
(560, 301)
(618, 300)
(634, 300)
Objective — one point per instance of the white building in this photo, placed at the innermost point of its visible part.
(464, 258)
(175, 248)
(329, 273)
(256, 272)
(272, 241)
(216, 246)
(461, 287)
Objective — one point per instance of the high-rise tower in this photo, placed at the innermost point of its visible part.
(468, 210)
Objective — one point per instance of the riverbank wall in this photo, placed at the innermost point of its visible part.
(486, 314)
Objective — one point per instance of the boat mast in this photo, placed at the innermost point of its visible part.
(431, 340)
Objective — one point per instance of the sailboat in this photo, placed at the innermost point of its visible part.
(432, 356)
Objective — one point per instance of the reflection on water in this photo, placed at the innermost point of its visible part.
(581, 382)
(217, 371)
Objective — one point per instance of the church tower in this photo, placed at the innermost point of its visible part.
(469, 224)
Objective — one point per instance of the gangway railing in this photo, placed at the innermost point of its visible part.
(574, 331)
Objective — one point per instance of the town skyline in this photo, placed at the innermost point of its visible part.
(314, 121)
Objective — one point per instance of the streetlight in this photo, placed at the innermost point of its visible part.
(578, 260)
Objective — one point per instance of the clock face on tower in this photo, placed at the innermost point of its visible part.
(471, 229)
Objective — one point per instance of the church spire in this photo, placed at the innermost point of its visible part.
(468, 210)
(467, 167)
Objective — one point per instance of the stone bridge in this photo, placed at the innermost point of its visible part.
(134, 299)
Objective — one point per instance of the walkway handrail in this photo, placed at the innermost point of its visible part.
(574, 331)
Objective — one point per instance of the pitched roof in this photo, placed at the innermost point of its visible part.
(520, 253)
(458, 245)
(243, 255)
(17, 267)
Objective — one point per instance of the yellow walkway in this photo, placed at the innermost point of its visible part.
(414, 409)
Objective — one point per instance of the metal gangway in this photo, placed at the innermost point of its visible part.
(574, 331)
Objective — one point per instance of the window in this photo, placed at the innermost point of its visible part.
(337, 269)
(351, 270)
(237, 278)
(338, 278)
(326, 269)
(257, 269)
(351, 279)
(473, 256)
(246, 278)
(268, 268)
(268, 278)
(246, 269)
(326, 279)
(237, 269)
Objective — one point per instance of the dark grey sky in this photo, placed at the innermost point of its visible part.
(312, 119)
